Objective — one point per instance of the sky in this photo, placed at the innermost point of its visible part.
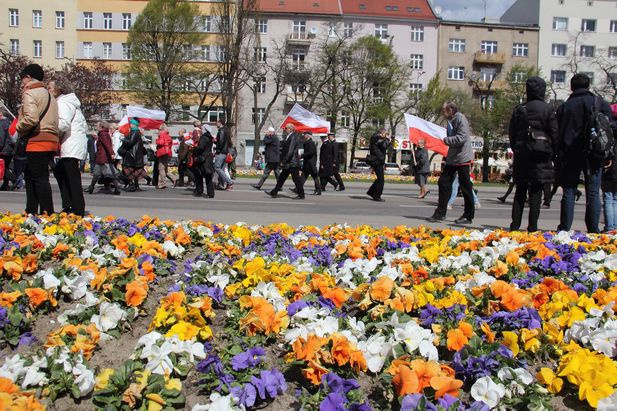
(471, 10)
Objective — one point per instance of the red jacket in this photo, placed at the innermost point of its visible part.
(163, 144)
(104, 148)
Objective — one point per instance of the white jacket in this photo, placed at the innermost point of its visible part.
(73, 127)
(116, 140)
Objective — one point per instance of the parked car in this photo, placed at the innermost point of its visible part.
(360, 167)
(392, 169)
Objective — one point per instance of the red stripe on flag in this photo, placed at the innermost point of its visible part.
(300, 127)
(150, 124)
(431, 143)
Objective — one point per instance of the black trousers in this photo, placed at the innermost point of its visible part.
(68, 176)
(339, 180)
(445, 190)
(311, 171)
(324, 180)
(376, 189)
(520, 196)
(270, 167)
(199, 175)
(297, 179)
(183, 170)
(38, 190)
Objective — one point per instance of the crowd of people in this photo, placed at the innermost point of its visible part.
(550, 150)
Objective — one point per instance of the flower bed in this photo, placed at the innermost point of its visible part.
(111, 314)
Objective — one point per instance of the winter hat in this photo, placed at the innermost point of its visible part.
(134, 121)
(271, 129)
(33, 70)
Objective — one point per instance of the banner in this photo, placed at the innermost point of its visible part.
(432, 134)
(305, 120)
(148, 119)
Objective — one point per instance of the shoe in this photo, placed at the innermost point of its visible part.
(501, 199)
(293, 190)
(435, 219)
(137, 188)
(209, 195)
(298, 198)
(256, 186)
(546, 205)
(271, 194)
(478, 205)
(378, 199)
(316, 193)
(88, 190)
(130, 189)
(339, 189)
(197, 194)
(463, 220)
(578, 194)
(229, 187)
(116, 192)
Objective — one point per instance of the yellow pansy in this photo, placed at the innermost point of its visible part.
(570, 317)
(547, 377)
(510, 340)
(173, 384)
(593, 394)
(103, 378)
(183, 330)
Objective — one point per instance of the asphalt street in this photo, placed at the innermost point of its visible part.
(352, 206)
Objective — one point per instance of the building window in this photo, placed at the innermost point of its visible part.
(417, 33)
(126, 51)
(613, 26)
(87, 19)
(456, 46)
(345, 119)
(558, 76)
(587, 51)
(206, 23)
(456, 73)
(221, 53)
(559, 50)
(205, 53)
(215, 114)
(127, 21)
(381, 31)
(38, 48)
(258, 115)
(107, 50)
(519, 77)
(488, 46)
(560, 23)
(262, 26)
(487, 74)
(59, 49)
(107, 21)
(15, 47)
(59, 19)
(347, 29)
(612, 52)
(417, 61)
(520, 49)
(88, 50)
(13, 17)
(297, 59)
(415, 88)
(299, 29)
(260, 85)
(37, 19)
(259, 54)
(588, 25)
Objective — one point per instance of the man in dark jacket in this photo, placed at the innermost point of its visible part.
(272, 155)
(326, 163)
(6, 149)
(458, 161)
(378, 148)
(572, 117)
(204, 164)
(340, 186)
(533, 152)
(291, 163)
(309, 162)
(133, 157)
(223, 144)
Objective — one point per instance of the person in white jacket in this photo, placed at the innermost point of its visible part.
(73, 146)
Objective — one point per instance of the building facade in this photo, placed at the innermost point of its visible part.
(575, 36)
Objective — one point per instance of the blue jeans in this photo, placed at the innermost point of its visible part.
(610, 210)
(593, 206)
(455, 185)
(219, 167)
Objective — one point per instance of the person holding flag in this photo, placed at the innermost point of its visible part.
(291, 163)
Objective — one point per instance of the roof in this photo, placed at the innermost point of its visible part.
(329, 7)
(396, 9)
(523, 12)
(497, 25)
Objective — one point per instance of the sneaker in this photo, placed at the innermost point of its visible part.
(501, 199)
(463, 221)
(256, 186)
(271, 194)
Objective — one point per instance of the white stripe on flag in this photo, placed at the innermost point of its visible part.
(140, 112)
(427, 127)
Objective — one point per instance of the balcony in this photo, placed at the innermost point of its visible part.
(486, 85)
(292, 98)
(301, 38)
(481, 57)
(297, 66)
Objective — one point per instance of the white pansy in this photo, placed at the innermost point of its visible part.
(148, 340)
(158, 360)
(110, 314)
(49, 241)
(605, 341)
(78, 286)
(13, 368)
(84, 379)
(485, 390)
(49, 279)
(563, 237)
(608, 404)
(270, 293)
(204, 232)
(173, 249)
(218, 402)
(478, 280)
(518, 374)
(375, 350)
(34, 376)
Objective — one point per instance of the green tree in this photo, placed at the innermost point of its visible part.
(162, 41)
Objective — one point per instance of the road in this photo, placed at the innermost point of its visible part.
(351, 206)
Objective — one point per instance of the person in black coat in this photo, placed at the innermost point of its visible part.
(203, 156)
(609, 182)
(340, 186)
(533, 151)
(272, 155)
(132, 152)
(378, 148)
(573, 117)
(422, 168)
(309, 162)
(291, 163)
(223, 145)
(326, 163)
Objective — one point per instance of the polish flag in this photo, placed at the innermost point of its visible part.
(148, 119)
(304, 120)
(432, 134)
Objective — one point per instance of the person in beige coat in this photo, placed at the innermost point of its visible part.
(38, 138)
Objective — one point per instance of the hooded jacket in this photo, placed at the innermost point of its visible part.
(163, 144)
(42, 133)
(541, 118)
(72, 127)
(104, 148)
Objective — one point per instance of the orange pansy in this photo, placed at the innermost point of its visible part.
(381, 288)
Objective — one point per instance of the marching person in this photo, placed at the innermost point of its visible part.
(223, 145)
(378, 147)
(163, 154)
(458, 162)
(73, 146)
(204, 162)
(309, 162)
(609, 182)
(38, 129)
(7, 147)
(183, 159)
(340, 186)
(533, 139)
(133, 151)
(422, 168)
(291, 163)
(272, 154)
(326, 163)
(104, 160)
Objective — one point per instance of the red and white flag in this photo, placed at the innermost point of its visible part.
(432, 134)
(305, 120)
(148, 119)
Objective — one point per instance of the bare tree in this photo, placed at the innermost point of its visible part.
(10, 85)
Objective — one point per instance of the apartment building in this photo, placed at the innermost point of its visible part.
(409, 25)
(477, 57)
(575, 36)
(41, 30)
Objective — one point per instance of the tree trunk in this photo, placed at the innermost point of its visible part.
(354, 143)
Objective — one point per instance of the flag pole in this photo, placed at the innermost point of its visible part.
(7, 109)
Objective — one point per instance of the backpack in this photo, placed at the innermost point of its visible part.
(535, 143)
(599, 133)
